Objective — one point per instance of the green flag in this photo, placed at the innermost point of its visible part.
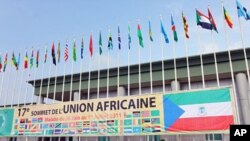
(139, 34)
(100, 43)
(74, 51)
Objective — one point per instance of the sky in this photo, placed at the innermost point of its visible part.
(27, 24)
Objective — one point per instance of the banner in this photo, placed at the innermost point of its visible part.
(186, 112)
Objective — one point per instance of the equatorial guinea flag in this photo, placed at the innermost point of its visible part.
(208, 110)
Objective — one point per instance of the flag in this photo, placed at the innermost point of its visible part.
(66, 53)
(26, 61)
(174, 29)
(58, 52)
(203, 21)
(185, 25)
(100, 43)
(164, 33)
(82, 47)
(242, 11)
(129, 37)
(31, 59)
(13, 61)
(227, 18)
(74, 51)
(37, 58)
(91, 46)
(45, 55)
(1, 63)
(206, 110)
(18, 60)
(53, 53)
(110, 42)
(119, 38)
(5, 62)
(139, 34)
(150, 31)
(212, 21)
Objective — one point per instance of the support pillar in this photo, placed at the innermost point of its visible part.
(242, 97)
(40, 100)
(175, 86)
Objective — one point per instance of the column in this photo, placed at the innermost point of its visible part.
(175, 86)
(40, 100)
(242, 97)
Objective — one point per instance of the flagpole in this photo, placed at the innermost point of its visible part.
(71, 81)
(215, 58)
(20, 88)
(98, 77)
(187, 60)
(34, 83)
(64, 67)
(244, 49)
(108, 69)
(2, 84)
(175, 71)
(118, 73)
(129, 46)
(230, 62)
(139, 56)
(80, 83)
(54, 95)
(15, 80)
(90, 60)
(7, 91)
(150, 63)
(47, 95)
(41, 83)
(27, 85)
(162, 63)
(201, 59)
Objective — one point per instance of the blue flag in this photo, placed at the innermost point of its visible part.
(242, 11)
(164, 33)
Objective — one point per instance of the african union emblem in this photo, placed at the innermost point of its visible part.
(6, 119)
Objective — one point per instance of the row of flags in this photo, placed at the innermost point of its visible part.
(203, 20)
